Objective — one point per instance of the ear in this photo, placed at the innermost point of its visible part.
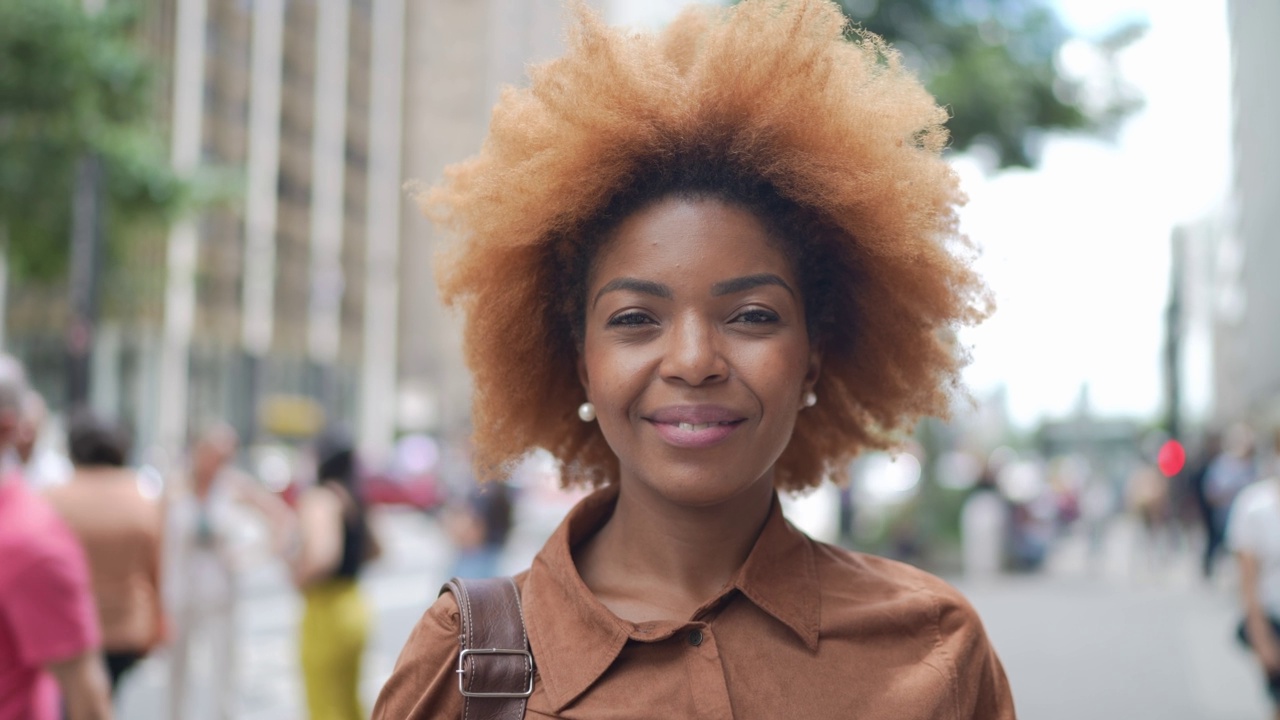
(815, 368)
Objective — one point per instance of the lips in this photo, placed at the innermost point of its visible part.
(695, 426)
(691, 427)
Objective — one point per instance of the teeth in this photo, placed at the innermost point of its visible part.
(698, 426)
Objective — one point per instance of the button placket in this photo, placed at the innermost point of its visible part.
(706, 673)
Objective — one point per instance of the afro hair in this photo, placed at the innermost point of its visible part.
(780, 106)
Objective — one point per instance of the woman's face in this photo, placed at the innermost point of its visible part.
(695, 351)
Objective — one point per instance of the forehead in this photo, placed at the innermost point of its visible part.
(691, 239)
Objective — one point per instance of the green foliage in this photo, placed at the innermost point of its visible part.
(992, 63)
(72, 84)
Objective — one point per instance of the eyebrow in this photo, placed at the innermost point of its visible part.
(646, 287)
(749, 282)
(725, 287)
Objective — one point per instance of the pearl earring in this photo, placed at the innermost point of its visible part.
(810, 399)
(587, 412)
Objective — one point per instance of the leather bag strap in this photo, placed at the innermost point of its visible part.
(495, 667)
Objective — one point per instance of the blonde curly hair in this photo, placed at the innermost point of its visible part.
(777, 106)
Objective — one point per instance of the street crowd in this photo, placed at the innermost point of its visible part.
(101, 565)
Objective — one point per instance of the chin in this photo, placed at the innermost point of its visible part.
(701, 486)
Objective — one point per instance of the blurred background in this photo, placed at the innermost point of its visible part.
(204, 219)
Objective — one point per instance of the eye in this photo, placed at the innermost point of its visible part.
(756, 316)
(633, 318)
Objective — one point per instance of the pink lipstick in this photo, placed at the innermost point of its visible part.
(695, 426)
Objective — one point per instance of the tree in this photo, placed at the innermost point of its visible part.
(994, 64)
(76, 85)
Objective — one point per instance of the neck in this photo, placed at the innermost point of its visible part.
(658, 560)
(100, 471)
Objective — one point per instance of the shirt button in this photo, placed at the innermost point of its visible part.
(695, 638)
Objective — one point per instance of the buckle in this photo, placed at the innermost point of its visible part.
(495, 651)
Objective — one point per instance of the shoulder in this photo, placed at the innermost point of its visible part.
(878, 596)
(322, 505)
(424, 683)
(435, 635)
(1259, 496)
(324, 493)
(45, 590)
(36, 533)
(57, 493)
(30, 557)
(53, 564)
(842, 573)
(1252, 512)
(1259, 499)
(881, 584)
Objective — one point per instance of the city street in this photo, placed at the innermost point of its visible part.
(1006, 268)
(1116, 638)
(1113, 638)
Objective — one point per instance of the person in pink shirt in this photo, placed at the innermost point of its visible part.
(49, 637)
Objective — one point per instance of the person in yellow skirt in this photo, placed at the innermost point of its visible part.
(333, 542)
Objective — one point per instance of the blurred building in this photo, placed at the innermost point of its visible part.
(1223, 329)
(1248, 338)
(1202, 302)
(318, 283)
(1110, 445)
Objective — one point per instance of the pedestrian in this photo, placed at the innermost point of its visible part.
(984, 530)
(121, 531)
(1147, 497)
(700, 268)
(478, 528)
(205, 550)
(1197, 478)
(1097, 505)
(42, 466)
(1230, 472)
(333, 544)
(49, 636)
(1253, 534)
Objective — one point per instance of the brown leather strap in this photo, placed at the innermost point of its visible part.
(495, 668)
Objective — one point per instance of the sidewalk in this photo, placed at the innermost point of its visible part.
(399, 587)
(1112, 636)
(1118, 635)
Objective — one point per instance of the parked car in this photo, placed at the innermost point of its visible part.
(420, 490)
(410, 476)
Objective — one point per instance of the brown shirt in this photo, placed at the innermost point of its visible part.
(804, 630)
(120, 531)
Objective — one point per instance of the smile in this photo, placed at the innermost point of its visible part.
(695, 426)
(695, 435)
(698, 426)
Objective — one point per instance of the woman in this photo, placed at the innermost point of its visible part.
(1253, 534)
(333, 543)
(700, 268)
(120, 529)
(206, 552)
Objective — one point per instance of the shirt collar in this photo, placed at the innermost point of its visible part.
(781, 577)
(575, 638)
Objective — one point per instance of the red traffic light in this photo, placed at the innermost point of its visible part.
(1171, 458)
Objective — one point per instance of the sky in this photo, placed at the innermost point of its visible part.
(1077, 250)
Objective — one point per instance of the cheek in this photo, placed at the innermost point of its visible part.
(616, 375)
(775, 370)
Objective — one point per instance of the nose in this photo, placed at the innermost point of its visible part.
(693, 354)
